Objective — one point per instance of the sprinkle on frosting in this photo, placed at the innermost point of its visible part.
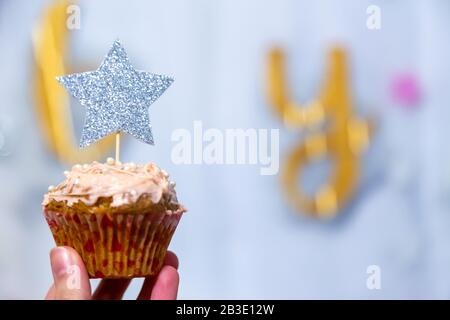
(124, 183)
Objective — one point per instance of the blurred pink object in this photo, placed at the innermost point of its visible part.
(405, 90)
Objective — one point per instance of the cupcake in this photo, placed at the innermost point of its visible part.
(119, 217)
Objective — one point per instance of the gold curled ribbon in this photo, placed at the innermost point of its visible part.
(341, 141)
(50, 40)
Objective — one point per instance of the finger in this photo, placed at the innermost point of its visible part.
(70, 278)
(50, 293)
(162, 287)
(111, 289)
(166, 285)
(171, 259)
(147, 287)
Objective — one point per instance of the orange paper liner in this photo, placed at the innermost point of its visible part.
(124, 245)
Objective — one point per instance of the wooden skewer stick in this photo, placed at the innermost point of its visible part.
(117, 146)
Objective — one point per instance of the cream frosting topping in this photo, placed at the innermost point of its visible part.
(124, 183)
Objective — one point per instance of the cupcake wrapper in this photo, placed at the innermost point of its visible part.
(124, 245)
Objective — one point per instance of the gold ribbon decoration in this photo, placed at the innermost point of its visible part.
(50, 41)
(342, 141)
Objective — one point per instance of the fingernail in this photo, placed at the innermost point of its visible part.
(60, 260)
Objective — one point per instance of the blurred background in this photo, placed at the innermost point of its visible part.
(242, 236)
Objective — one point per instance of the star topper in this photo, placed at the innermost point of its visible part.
(116, 97)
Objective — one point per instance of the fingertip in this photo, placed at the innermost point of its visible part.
(171, 259)
(62, 258)
(66, 253)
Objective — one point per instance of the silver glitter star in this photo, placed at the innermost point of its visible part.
(116, 97)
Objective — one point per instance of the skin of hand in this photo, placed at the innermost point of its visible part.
(71, 280)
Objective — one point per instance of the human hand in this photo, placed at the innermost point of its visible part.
(164, 286)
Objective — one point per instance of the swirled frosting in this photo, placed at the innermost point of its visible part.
(124, 183)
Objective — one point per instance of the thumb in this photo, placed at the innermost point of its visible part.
(71, 281)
